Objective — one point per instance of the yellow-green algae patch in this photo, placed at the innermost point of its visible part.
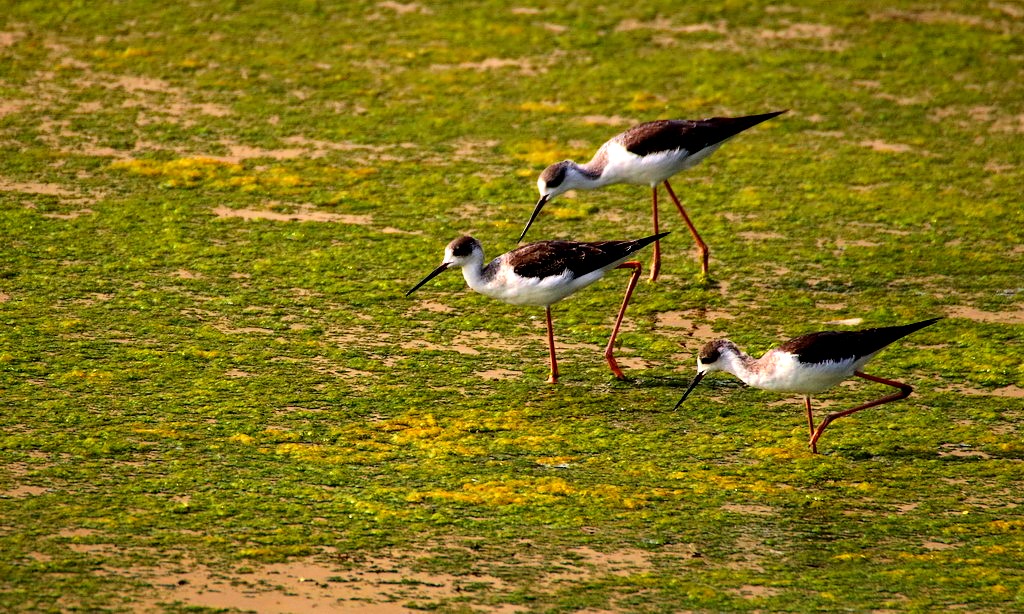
(195, 371)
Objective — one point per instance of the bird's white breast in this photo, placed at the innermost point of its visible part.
(626, 167)
(510, 288)
(783, 372)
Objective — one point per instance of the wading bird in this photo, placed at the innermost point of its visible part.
(647, 154)
(544, 273)
(807, 365)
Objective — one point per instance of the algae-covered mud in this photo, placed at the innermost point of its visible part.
(215, 396)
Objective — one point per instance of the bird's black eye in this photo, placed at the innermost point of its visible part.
(463, 246)
(553, 175)
(710, 357)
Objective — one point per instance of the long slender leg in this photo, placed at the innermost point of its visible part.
(608, 351)
(656, 260)
(810, 416)
(904, 392)
(553, 379)
(702, 247)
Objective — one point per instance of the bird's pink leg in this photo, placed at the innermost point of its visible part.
(904, 392)
(608, 351)
(702, 247)
(553, 379)
(810, 416)
(656, 260)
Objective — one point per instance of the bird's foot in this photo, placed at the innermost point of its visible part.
(704, 280)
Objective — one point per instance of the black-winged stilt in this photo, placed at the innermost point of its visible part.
(807, 365)
(544, 273)
(647, 154)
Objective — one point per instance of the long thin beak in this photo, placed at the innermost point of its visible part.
(693, 384)
(433, 274)
(540, 205)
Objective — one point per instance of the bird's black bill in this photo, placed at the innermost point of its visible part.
(540, 205)
(693, 384)
(432, 275)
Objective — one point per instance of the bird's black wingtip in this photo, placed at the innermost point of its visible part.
(901, 331)
(728, 127)
(763, 117)
(644, 242)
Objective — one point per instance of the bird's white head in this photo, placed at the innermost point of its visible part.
(460, 253)
(716, 355)
(556, 179)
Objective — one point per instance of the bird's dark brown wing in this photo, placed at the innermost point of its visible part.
(548, 258)
(835, 346)
(688, 134)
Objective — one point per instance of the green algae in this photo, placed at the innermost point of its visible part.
(179, 378)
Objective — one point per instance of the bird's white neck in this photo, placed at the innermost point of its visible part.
(474, 273)
(589, 176)
(740, 364)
